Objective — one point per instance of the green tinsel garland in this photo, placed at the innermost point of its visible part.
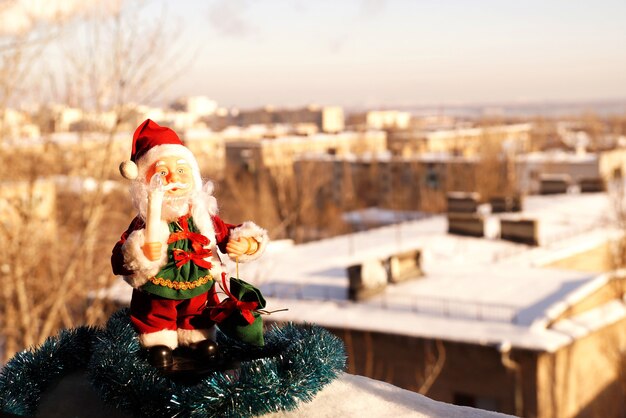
(295, 363)
(26, 377)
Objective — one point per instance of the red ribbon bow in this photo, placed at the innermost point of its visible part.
(197, 240)
(230, 304)
(198, 258)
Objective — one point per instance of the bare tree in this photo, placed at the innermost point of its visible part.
(593, 125)
(617, 195)
(543, 134)
(369, 356)
(494, 169)
(18, 50)
(435, 358)
(50, 274)
(289, 200)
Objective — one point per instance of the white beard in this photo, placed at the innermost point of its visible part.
(174, 206)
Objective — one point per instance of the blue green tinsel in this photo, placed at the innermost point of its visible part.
(29, 373)
(295, 363)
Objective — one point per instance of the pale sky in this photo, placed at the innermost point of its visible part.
(386, 53)
(401, 52)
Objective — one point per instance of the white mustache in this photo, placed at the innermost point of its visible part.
(171, 186)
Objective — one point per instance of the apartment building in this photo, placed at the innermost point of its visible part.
(416, 183)
(283, 151)
(461, 141)
(329, 119)
(573, 168)
(380, 119)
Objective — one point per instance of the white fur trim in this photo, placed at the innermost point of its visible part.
(208, 187)
(166, 337)
(190, 336)
(137, 262)
(210, 201)
(203, 221)
(251, 230)
(168, 150)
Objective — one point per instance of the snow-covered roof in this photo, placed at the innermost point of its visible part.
(478, 290)
(381, 216)
(557, 156)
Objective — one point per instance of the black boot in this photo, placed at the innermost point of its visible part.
(206, 349)
(160, 356)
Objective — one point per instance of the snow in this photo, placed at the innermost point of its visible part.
(358, 396)
(380, 216)
(566, 215)
(565, 247)
(582, 324)
(554, 310)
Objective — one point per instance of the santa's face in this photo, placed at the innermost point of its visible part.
(176, 174)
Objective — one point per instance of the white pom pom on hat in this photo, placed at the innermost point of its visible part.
(129, 170)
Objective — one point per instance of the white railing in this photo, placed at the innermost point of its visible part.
(448, 308)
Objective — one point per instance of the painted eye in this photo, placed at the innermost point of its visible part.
(181, 171)
(163, 172)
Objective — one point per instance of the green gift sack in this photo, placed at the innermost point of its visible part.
(237, 315)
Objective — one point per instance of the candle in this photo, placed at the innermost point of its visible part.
(155, 201)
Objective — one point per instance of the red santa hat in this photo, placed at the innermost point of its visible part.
(151, 142)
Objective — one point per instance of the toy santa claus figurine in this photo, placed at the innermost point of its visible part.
(170, 252)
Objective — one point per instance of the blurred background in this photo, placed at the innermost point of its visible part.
(472, 152)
